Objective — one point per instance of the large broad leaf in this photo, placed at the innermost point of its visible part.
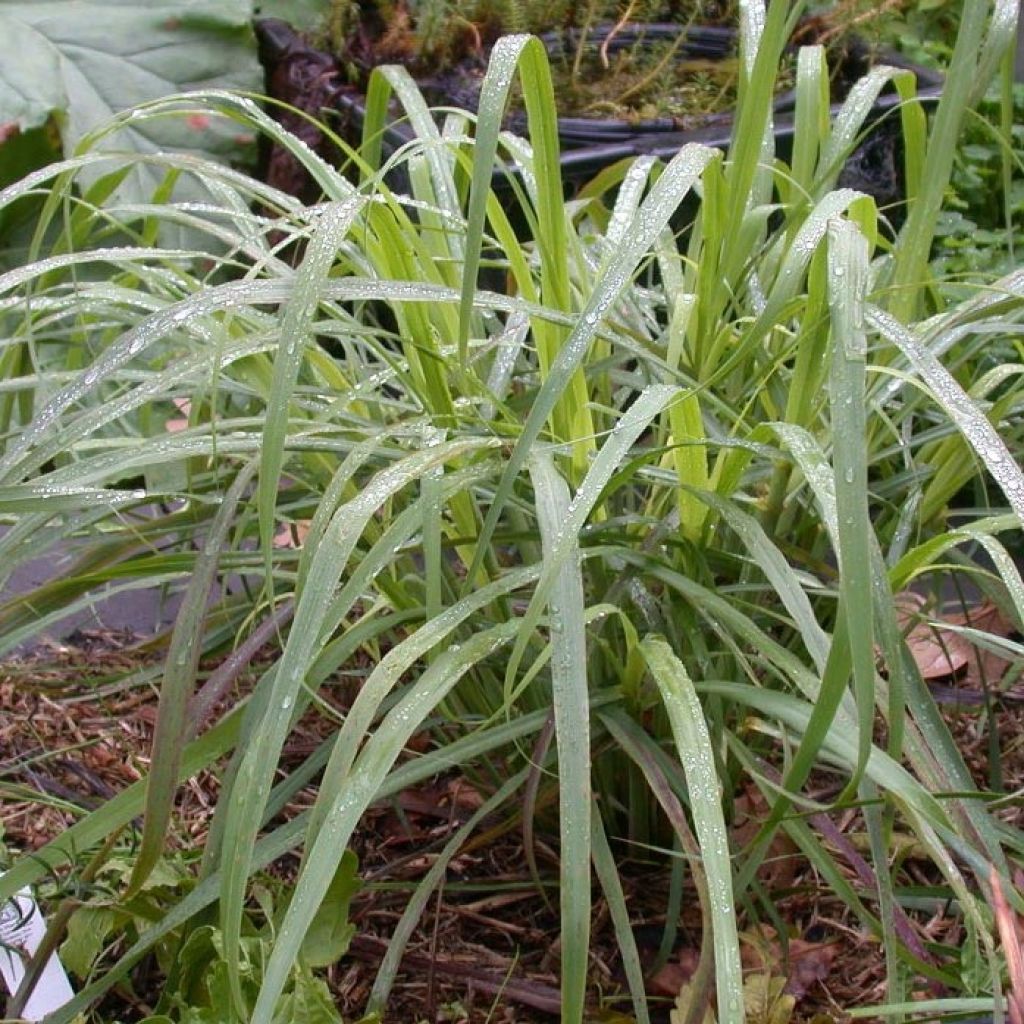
(300, 14)
(82, 61)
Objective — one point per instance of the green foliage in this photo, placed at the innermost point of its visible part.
(103, 920)
(331, 932)
(194, 957)
(204, 990)
(975, 241)
(984, 203)
(612, 495)
(925, 30)
(86, 61)
(66, 67)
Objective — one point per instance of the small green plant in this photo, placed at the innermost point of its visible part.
(202, 979)
(984, 199)
(985, 204)
(98, 926)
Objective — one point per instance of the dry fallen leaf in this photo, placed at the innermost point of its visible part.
(670, 979)
(987, 667)
(179, 423)
(292, 535)
(808, 962)
(779, 867)
(938, 653)
(464, 795)
(1010, 927)
(945, 654)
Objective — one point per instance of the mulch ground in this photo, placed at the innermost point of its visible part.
(77, 725)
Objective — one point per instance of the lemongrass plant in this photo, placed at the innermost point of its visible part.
(621, 502)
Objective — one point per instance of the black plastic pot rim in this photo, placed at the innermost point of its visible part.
(590, 144)
(704, 41)
(579, 135)
(711, 42)
(585, 161)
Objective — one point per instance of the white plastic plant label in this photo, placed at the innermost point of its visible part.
(21, 930)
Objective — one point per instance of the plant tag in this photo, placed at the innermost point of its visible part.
(21, 931)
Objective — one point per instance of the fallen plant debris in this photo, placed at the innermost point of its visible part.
(478, 955)
(1010, 925)
(800, 964)
(944, 645)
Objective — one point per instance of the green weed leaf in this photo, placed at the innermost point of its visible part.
(309, 1002)
(330, 932)
(87, 932)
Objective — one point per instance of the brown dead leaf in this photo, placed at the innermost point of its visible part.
(292, 535)
(808, 962)
(424, 800)
(464, 796)
(938, 653)
(419, 743)
(987, 667)
(943, 654)
(1010, 927)
(179, 423)
(670, 980)
(779, 867)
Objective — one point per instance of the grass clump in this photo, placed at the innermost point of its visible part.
(619, 512)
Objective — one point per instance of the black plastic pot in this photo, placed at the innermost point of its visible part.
(705, 42)
(875, 166)
(591, 144)
(588, 143)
